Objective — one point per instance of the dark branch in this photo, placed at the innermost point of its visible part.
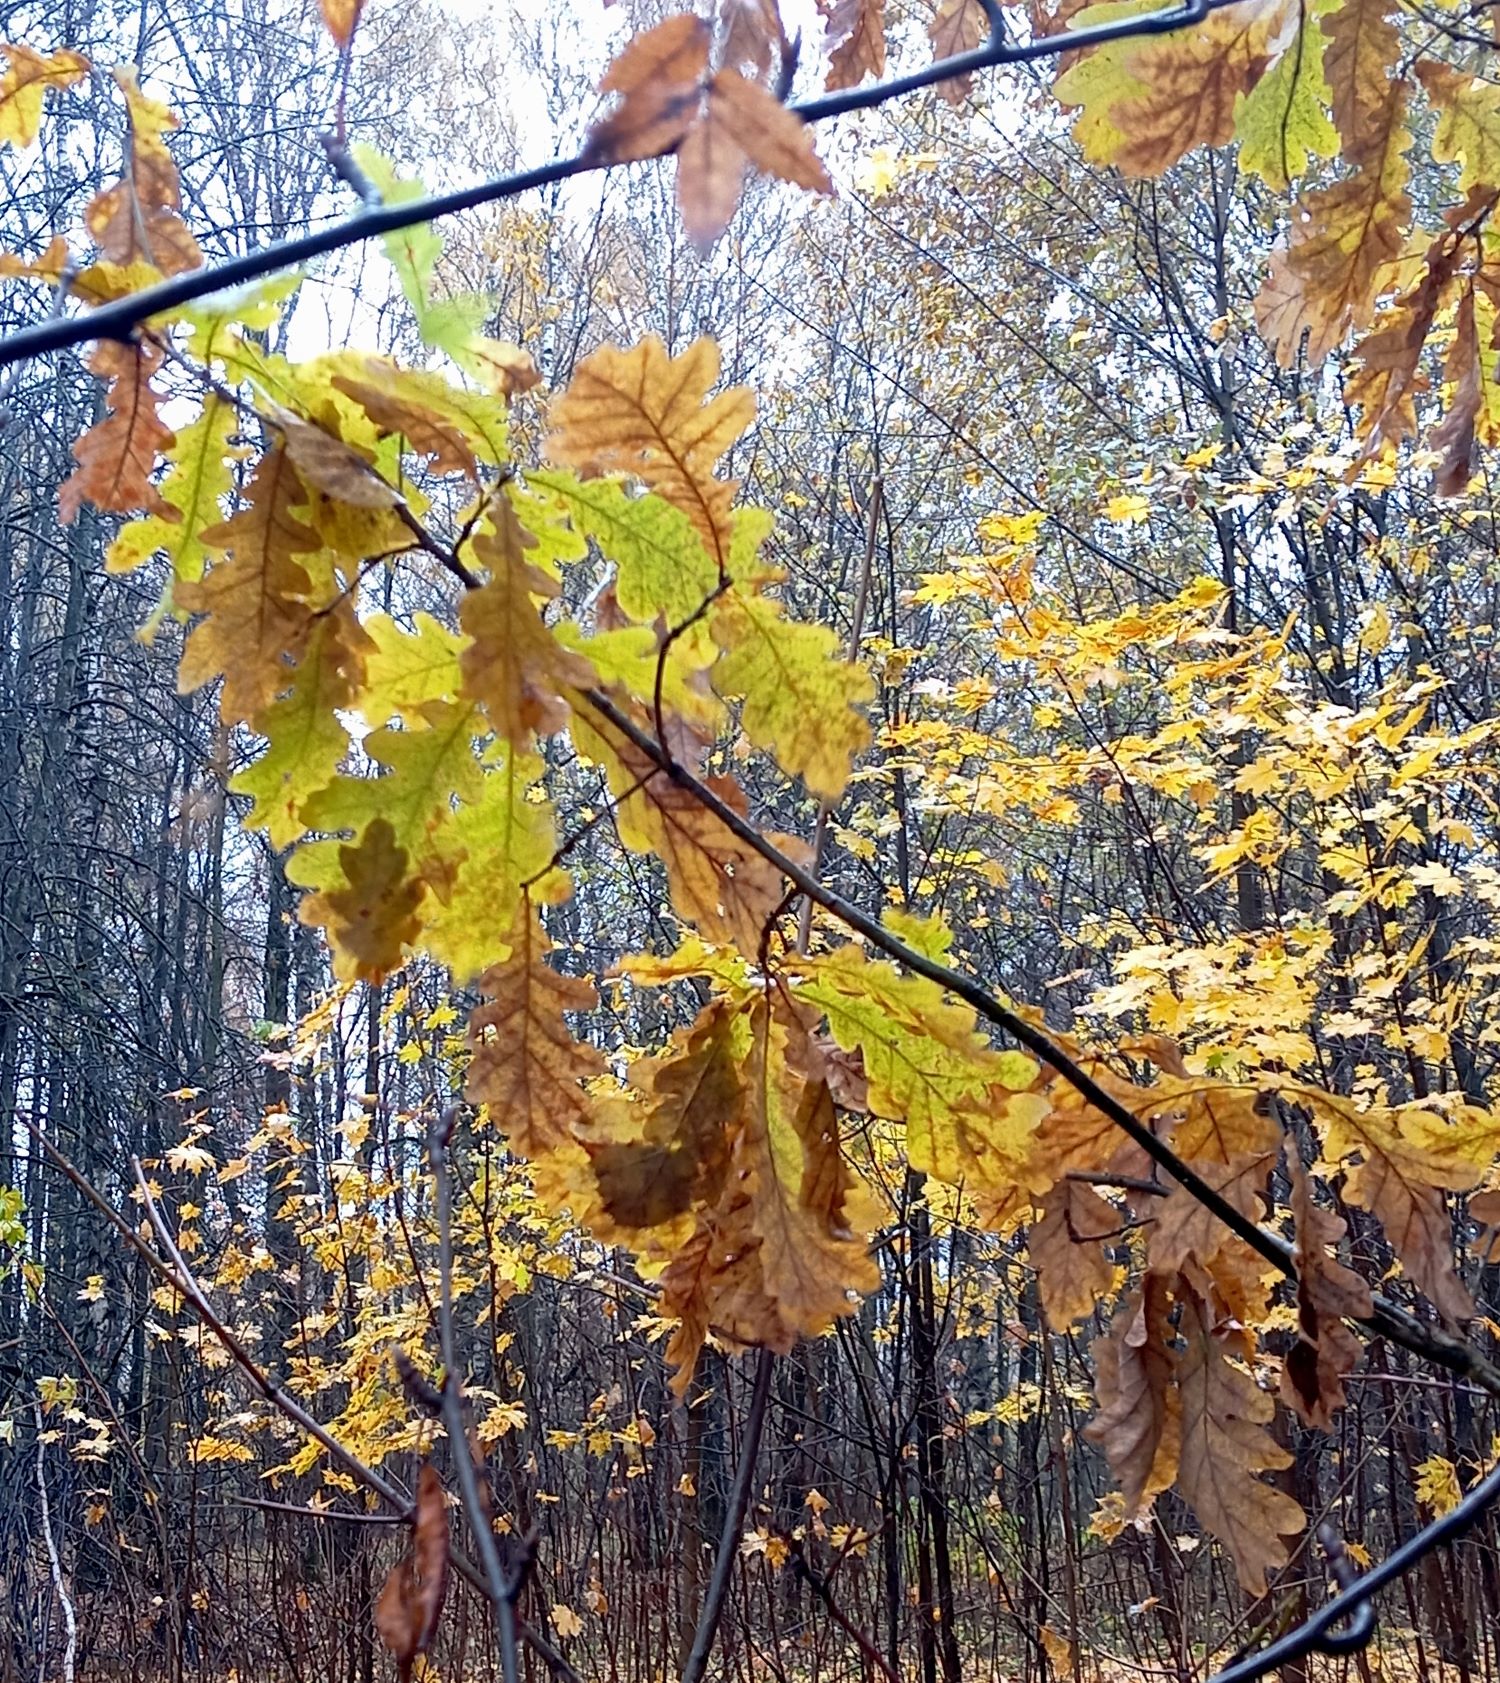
(120, 318)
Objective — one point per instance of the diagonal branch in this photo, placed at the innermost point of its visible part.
(1387, 1319)
(120, 318)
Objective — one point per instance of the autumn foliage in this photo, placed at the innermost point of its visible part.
(610, 603)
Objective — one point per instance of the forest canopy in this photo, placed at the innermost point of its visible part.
(750, 782)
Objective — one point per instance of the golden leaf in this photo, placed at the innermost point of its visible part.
(28, 76)
(645, 413)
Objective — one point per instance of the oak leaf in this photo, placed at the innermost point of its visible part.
(116, 456)
(854, 41)
(1453, 439)
(1345, 245)
(800, 1186)
(197, 478)
(1363, 48)
(958, 26)
(1282, 125)
(1138, 1424)
(137, 220)
(526, 1066)
(305, 740)
(1225, 1448)
(410, 1602)
(1073, 1272)
(646, 413)
(692, 1100)
(658, 76)
(513, 664)
(27, 77)
(342, 19)
(373, 918)
(801, 701)
(717, 882)
(256, 600)
(1328, 1293)
(456, 430)
(327, 463)
(742, 124)
(1400, 1180)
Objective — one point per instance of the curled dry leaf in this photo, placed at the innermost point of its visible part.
(410, 1602)
(1312, 1377)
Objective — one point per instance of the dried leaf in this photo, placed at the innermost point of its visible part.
(526, 1066)
(342, 19)
(513, 664)
(137, 220)
(117, 455)
(1312, 1376)
(958, 26)
(855, 41)
(658, 76)
(1138, 1423)
(373, 918)
(717, 882)
(410, 1602)
(1224, 1450)
(256, 600)
(1453, 439)
(1073, 1272)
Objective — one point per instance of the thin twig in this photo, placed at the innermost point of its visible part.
(734, 1523)
(500, 1587)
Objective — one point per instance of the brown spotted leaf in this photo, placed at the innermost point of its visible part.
(137, 220)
